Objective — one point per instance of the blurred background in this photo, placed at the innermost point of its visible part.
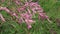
(52, 9)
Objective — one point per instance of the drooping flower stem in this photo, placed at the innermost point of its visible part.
(26, 11)
(2, 18)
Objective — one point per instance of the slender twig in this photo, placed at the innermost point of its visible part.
(2, 18)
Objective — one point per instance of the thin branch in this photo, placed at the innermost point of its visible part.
(2, 18)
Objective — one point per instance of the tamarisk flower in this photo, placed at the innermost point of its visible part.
(43, 15)
(31, 9)
(35, 7)
(9, 12)
(29, 22)
(23, 8)
(28, 19)
(20, 20)
(26, 12)
(26, 16)
(4, 8)
(18, 2)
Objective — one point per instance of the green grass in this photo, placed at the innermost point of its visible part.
(51, 7)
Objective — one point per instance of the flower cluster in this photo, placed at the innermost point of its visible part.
(26, 12)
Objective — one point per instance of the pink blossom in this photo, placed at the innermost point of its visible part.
(26, 4)
(21, 9)
(38, 9)
(4, 8)
(29, 11)
(14, 14)
(26, 12)
(33, 4)
(9, 12)
(34, 11)
(26, 16)
(29, 22)
(29, 26)
(43, 15)
(20, 20)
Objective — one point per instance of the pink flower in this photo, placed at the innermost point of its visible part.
(9, 12)
(4, 8)
(26, 16)
(39, 9)
(29, 22)
(26, 4)
(26, 12)
(29, 11)
(43, 15)
(29, 26)
(34, 11)
(35, 7)
(33, 4)
(21, 9)
(14, 14)
(20, 20)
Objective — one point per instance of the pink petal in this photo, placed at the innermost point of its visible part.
(4, 8)
(29, 26)
(14, 14)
